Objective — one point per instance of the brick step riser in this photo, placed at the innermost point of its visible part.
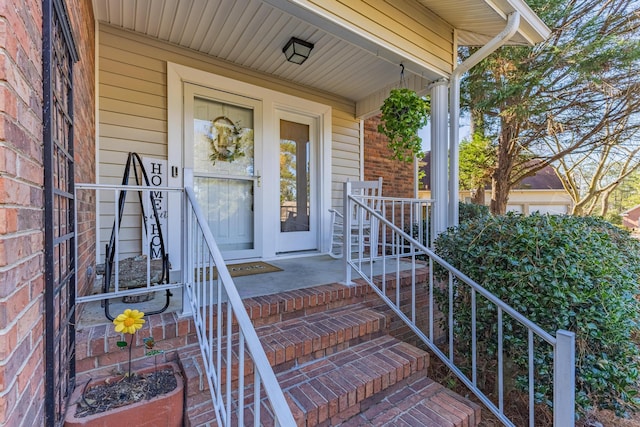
(364, 403)
(270, 309)
(96, 350)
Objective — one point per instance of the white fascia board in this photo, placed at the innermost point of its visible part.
(532, 28)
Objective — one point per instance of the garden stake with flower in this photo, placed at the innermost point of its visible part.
(128, 322)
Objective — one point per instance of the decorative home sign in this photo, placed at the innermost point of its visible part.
(157, 173)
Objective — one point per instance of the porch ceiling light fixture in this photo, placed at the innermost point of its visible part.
(296, 50)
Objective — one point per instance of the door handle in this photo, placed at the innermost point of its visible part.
(258, 179)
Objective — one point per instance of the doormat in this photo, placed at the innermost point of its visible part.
(249, 268)
(242, 269)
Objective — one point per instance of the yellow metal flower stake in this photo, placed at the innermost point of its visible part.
(128, 322)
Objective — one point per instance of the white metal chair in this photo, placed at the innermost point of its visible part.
(370, 191)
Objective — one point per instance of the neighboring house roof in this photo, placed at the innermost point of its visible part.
(544, 179)
(633, 212)
(631, 217)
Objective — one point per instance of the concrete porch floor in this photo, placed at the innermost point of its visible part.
(297, 273)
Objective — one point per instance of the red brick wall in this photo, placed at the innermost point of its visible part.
(22, 392)
(397, 176)
(21, 214)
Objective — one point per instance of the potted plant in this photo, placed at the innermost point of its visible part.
(152, 396)
(404, 112)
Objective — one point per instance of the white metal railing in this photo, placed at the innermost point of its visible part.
(108, 197)
(409, 214)
(398, 251)
(224, 329)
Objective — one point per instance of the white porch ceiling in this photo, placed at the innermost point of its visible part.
(251, 34)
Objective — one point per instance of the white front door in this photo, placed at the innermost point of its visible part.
(222, 132)
(298, 178)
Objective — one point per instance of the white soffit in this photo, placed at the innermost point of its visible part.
(251, 34)
(478, 21)
(345, 62)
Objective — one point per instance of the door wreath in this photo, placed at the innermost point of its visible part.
(225, 140)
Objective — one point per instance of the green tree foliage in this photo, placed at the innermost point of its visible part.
(287, 171)
(627, 194)
(563, 272)
(574, 91)
(477, 160)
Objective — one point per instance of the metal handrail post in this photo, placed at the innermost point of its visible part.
(346, 231)
(564, 379)
(186, 261)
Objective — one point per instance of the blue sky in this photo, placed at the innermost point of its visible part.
(425, 133)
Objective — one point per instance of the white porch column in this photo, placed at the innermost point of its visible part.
(439, 154)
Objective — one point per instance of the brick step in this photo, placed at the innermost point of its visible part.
(294, 342)
(420, 402)
(330, 390)
(274, 308)
(416, 400)
(301, 340)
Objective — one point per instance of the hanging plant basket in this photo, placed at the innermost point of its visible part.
(403, 114)
(225, 140)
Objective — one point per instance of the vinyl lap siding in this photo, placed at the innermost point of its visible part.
(402, 24)
(133, 117)
(345, 154)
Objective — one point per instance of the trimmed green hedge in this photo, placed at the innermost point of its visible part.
(562, 272)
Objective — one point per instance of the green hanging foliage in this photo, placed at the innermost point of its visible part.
(403, 114)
